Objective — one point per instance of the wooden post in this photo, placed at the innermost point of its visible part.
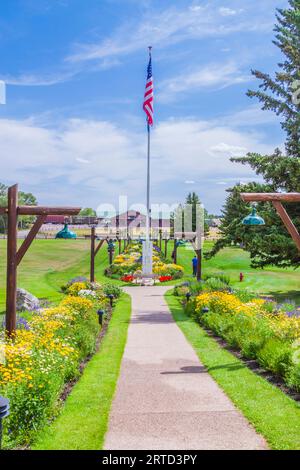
(11, 278)
(199, 265)
(92, 272)
(175, 251)
(94, 251)
(111, 256)
(14, 256)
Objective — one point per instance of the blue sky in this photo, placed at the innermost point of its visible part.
(73, 129)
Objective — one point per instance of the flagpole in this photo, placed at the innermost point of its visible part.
(147, 244)
(148, 187)
(148, 174)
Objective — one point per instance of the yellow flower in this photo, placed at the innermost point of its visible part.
(76, 287)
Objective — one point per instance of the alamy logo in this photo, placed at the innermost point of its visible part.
(296, 94)
(2, 92)
(2, 352)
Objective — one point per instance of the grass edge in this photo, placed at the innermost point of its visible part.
(279, 424)
(82, 425)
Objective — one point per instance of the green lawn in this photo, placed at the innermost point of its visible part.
(283, 283)
(83, 421)
(271, 412)
(50, 263)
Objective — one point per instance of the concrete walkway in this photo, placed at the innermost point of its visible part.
(165, 399)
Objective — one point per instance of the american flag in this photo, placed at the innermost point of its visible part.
(148, 98)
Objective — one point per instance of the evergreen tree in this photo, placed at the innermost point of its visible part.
(194, 200)
(281, 94)
(268, 244)
(272, 244)
(87, 212)
(25, 199)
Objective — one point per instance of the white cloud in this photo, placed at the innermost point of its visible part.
(82, 160)
(216, 76)
(32, 79)
(224, 11)
(227, 149)
(251, 116)
(91, 162)
(164, 27)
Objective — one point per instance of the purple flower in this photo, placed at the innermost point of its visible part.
(22, 324)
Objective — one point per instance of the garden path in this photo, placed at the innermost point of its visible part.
(165, 398)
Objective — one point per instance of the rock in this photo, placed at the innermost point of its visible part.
(26, 301)
(147, 282)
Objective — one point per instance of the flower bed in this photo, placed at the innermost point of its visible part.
(256, 327)
(43, 355)
(128, 265)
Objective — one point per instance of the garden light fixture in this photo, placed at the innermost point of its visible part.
(111, 299)
(188, 296)
(253, 218)
(65, 233)
(100, 314)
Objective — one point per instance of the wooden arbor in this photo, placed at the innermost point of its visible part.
(94, 251)
(15, 255)
(96, 248)
(277, 199)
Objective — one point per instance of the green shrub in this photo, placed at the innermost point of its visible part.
(293, 377)
(256, 328)
(244, 295)
(196, 287)
(221, 277)
(112, 289)
(181, 291)
(276, 356)
(189, 307)
(215, 284)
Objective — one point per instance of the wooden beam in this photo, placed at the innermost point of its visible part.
(100, 245)
(92, 263)
(166, 247)
(40, 210)
(3, 210)
(175, 251)
(11, 277)
(287, 222)
(265, 197)
(199, 265)
(30, 237)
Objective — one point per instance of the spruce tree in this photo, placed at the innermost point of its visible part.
(193, 200)
(271, 244)
(281, 93)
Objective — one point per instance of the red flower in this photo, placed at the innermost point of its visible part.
(127, 278)
(165, 278)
